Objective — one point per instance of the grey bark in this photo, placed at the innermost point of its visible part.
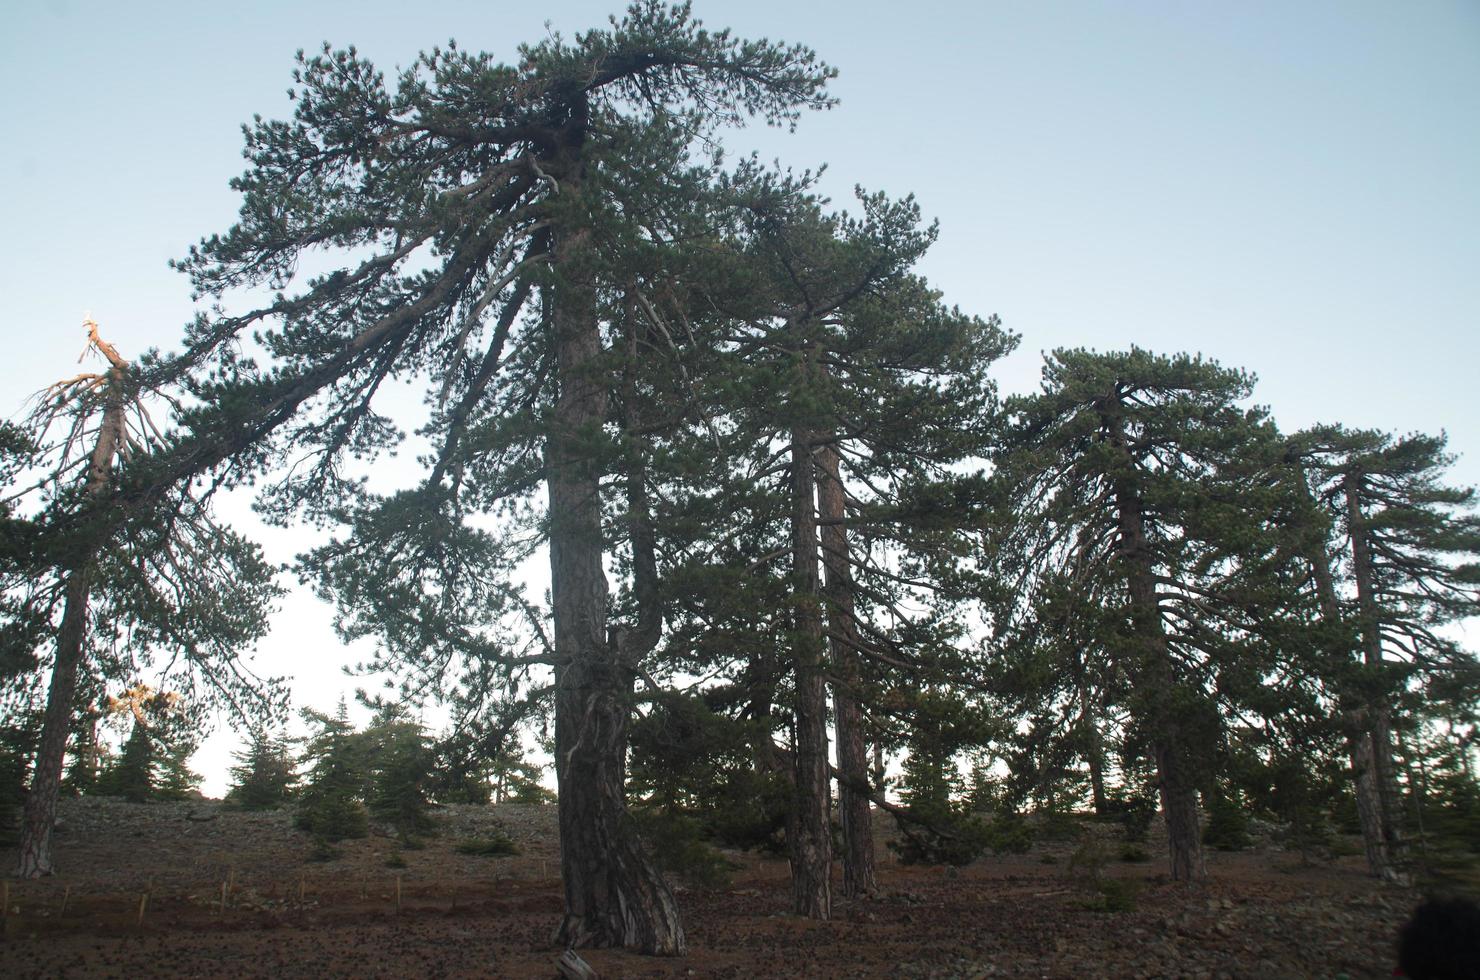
(1373, 756)
(853, 806)
(614, 895)
(809, 828)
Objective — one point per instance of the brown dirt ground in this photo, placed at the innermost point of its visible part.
(1264, 914)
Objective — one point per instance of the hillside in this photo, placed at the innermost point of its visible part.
(1267, 912)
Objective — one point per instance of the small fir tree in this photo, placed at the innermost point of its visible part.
(264, 777)
(331, 807)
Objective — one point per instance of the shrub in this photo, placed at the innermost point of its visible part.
(1087, 865)
(1134, 854)
(497, 844)
(332, 815)
(16, 745)
(322, 851)
(1228, 825)
(1113, 895)
(1089, 859)
(753, 813)
(946, 836)
(1057, 825)
(1134, 812)
(1010, 833)
(676, 845)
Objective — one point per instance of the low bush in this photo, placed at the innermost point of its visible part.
(1113, 895)
(333, 816)
(497, 844)
(1228, 825)
(1134, 854)
(677, 847)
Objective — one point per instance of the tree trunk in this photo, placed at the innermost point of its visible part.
(853, 806)
(1359, 743)
(1156, 681)
(1369, 798)
(1377, 776)
(1095, 758)
(614, 896)
(46, 775)
(40, 813)
(809, 827)
(1179, 808)
(1093, 745)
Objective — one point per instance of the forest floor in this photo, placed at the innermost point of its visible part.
(1265, 913)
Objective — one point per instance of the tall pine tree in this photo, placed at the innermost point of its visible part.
(480, 214)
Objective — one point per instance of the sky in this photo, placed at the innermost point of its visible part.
(1290, 188)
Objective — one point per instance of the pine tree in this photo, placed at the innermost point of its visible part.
(153, 762)
(1140, 479)
(464, 193)
(102, 594)
(842, 399)
(131, 775)
(18, 736)
(1397, 562)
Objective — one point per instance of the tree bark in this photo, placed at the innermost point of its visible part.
(40, 814)
(1156, 680)
(1093, 745)
(1359, 743)
(1094, 756)
(1377, 782)
(46, 775)
(614, 895)
(856, 816)
(809, 827)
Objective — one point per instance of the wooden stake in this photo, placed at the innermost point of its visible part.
(66, 894)
(223, 898)
(143, 903)
(544, 869)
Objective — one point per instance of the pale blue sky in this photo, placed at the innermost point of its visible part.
(1291, 187)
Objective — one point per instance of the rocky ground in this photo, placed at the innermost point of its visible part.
(140, 894)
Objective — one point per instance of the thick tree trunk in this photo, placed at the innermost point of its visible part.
(809, 829)
(46, 775)
(1157, 683)
(853, 806)
(1179, 807)
(614, 896)
(1369, 798)
(1376, 775)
